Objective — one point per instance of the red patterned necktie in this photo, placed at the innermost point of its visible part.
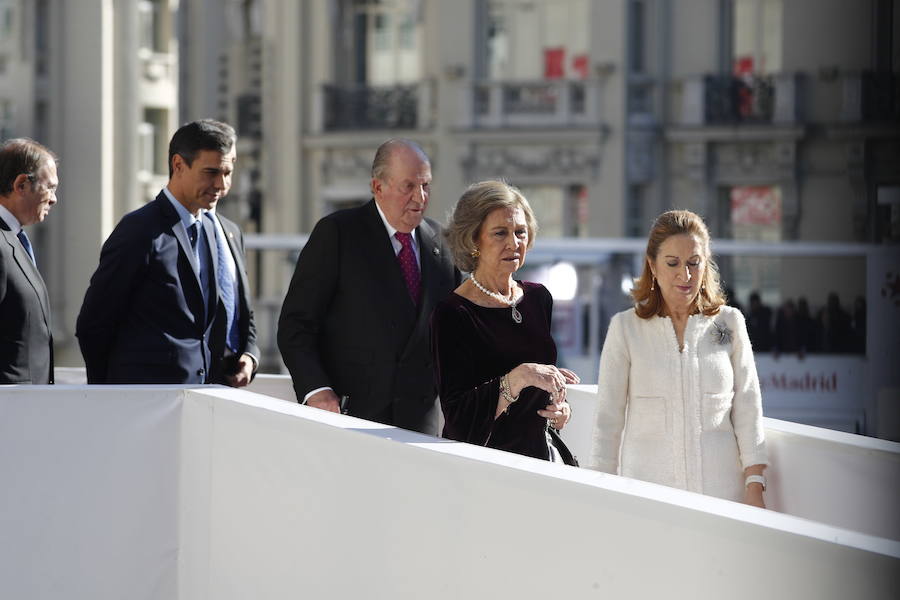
(409, 266)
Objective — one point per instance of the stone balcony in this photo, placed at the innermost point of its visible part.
(365, 107)
(545, 103)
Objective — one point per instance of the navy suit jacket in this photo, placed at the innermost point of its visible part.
(246, 321)
(26, 342)
(348, 321)
(143, 319)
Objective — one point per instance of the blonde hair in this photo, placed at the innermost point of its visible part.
(473, 207)
(648, 300)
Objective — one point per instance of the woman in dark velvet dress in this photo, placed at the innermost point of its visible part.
(491, 342)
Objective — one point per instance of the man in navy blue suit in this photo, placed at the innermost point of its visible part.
(169, 302)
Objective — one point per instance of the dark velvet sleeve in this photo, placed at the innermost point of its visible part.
(469, 405)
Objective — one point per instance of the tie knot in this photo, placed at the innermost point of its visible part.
(404, 238)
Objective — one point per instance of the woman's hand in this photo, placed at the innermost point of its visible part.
(571, 376)
(558, 413)
(545, 377)
(753, 495)
(552, 380)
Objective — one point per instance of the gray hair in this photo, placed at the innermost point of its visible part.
(386, 151)
(473, 207)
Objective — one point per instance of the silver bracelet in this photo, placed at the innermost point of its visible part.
(505, 391)
(755, 479)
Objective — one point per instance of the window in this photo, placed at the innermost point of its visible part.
(524, 39)
(7, 20)
(561, 210)
(382, 39)
(887, 211)
(153, 142)
(150, 29)
(6, 113)
(636, 37)
(41, 36)
(757, 34)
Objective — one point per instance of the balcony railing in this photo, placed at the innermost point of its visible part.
(343, 108)
(542, 103)
(729, 100)
(871, 97)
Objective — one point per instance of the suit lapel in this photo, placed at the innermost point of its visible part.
(173, 221)
(32, 275)
(429, 259)
(209, 229)
(384, 260)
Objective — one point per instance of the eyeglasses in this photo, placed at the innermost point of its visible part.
(34, 182)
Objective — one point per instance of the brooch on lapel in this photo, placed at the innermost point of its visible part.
(436, 251)
(721, 333)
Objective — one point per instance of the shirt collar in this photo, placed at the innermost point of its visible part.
(392, 230)
(10, 219)
(186, 218)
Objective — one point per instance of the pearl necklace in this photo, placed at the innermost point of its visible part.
(516, 315)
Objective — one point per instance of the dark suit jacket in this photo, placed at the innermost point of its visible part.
(246, 321)
(143, 319)
(26, 342)
(348, 321)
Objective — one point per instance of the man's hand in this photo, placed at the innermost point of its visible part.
(244, 374)
(326, 400)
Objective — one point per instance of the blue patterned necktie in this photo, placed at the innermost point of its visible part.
(26, 243)
(198, 243)
(226, 288)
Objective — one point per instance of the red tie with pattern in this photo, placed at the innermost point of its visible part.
(408, 265)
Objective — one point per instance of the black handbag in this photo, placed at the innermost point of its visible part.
(564, 452)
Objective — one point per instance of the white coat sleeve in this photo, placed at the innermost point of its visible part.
(746, 411)
(612, 394)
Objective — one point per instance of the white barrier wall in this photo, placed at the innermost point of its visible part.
(89, 482)
(841, 479)
(124, 492)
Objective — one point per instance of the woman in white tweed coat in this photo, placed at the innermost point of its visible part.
(679, 400)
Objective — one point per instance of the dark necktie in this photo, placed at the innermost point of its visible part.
(192, 235)
(26, 243)
(226, 289)
(409, 266)
(201, 252)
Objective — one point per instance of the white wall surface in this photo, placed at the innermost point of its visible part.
(89, 505)
(267, 499)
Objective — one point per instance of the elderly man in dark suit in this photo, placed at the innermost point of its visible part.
(169, 302)
(28, 185)
(355, 322)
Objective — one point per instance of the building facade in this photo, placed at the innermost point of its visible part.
(775, 119)
(95, 81)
